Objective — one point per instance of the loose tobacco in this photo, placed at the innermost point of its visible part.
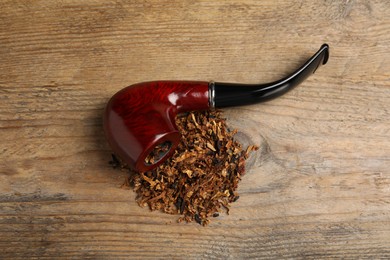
(200, 180)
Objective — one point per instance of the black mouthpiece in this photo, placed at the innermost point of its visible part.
(231, 94)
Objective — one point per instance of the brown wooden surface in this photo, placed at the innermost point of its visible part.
(318, 187)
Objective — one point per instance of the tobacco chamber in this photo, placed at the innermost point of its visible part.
(139, 120)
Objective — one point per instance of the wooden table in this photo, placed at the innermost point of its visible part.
(318, 187)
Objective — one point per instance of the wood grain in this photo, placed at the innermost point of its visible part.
(319, 187)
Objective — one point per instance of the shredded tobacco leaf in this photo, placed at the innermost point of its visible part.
(201, 178)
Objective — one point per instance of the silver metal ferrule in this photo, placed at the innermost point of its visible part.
(212, 94)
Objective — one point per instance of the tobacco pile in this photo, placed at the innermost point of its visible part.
(200, 180)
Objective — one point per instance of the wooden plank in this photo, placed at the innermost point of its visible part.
(319, 187)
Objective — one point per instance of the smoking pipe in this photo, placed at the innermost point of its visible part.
(139, 120)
